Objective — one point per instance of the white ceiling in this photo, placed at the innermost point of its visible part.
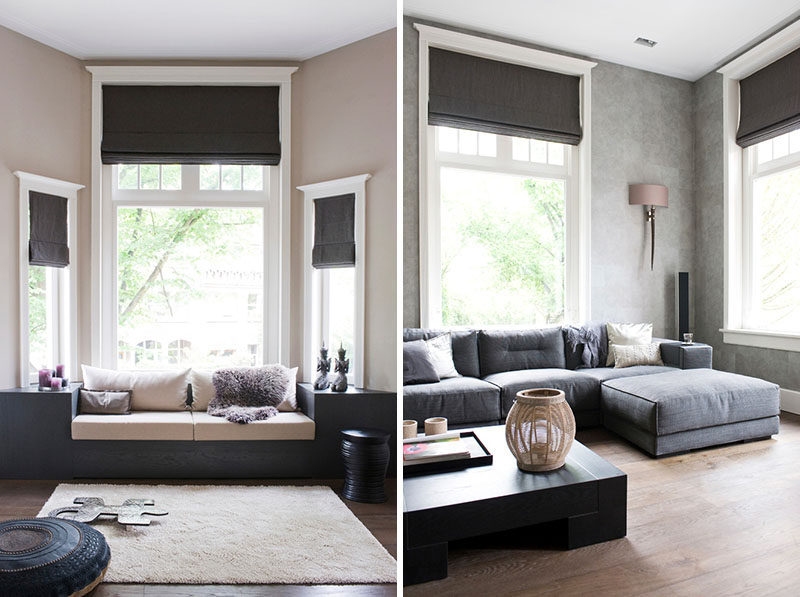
(694, 36)
(221, 29)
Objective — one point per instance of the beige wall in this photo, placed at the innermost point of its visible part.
(44, 129)
(344, 106)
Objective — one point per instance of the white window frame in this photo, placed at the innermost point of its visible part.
(316, 315)
(62, 303)
(578, 216)
(277, 217)
(737, 185)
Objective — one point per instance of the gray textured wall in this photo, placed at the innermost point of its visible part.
(779, 366)
(642, 131)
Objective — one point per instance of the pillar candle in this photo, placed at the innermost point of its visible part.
(44, 378)
(55, 383)
(60, 371)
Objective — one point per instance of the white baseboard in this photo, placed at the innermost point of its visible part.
(790, 401)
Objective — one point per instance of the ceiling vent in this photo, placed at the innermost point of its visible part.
(649, 43)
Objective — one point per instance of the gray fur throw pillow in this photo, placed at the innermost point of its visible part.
(246, 394)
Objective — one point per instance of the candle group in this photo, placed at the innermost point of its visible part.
(52, 379)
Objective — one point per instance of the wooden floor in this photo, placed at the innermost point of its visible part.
(24, 499)
(723, 521)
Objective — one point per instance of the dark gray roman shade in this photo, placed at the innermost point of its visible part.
(47, 244)
(498, 97)
(334, 232)
(164, 124)
(770, 101)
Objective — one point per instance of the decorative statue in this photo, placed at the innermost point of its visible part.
(323, 366)
(342, 367)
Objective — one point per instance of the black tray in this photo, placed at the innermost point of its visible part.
(479, 456)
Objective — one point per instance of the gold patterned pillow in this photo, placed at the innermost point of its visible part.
(628, 355)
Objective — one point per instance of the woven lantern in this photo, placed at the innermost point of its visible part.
(540, 428)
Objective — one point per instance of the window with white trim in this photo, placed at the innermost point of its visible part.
(190, 250)
(502, 234)
(771, 219)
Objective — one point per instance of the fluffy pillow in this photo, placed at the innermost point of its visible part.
(289, 403)
(247, 394)
(636, 354)
(417, 363)
(441, 350)
(104, 403)
(627, 334)
(150, 390)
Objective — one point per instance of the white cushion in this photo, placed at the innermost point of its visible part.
(627, 333)
(636, 354)
(152, 390)
(441, 351)
(203, 391)
(283, 426)
(141, 425)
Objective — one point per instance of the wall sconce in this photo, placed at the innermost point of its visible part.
(651, 196)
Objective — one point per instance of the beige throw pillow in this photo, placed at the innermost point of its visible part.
(441, 350)
(289, 403)
(627, 334)
(637, 354)
(151, 390)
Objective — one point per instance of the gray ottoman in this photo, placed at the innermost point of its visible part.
(689, 408)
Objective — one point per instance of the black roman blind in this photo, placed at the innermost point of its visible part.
(47, 244)
(770, 101)
(334, 232)
(498, 97)
(166, 124)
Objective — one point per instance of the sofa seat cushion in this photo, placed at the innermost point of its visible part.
(283, 426)
(461, 400)
(582, 391)
(688, 399)
(605, 373)
(138, 425)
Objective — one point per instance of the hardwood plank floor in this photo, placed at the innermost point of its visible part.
(722, 521)
(24, 499)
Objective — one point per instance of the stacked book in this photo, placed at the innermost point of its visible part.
(434, 448)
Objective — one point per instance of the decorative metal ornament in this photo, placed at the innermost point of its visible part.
(342, 367)
(131, 512)
(323, 366)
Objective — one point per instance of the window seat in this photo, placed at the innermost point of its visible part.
(190, 426)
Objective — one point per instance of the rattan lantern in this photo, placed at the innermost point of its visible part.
(540, 428)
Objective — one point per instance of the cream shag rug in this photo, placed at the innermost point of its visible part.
(236, 534)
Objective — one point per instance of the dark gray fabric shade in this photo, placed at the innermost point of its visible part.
(47, 244)
(770, 101)
(498, 97)
(163, 124)
(334, 232)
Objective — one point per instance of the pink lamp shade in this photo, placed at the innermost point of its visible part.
(648, 194)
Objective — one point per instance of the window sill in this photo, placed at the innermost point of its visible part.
(762, 339)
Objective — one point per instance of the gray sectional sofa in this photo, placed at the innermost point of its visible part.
(680, 406)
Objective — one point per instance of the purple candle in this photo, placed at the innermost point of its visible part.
(45, 376)
(60, 371)
(55, 383)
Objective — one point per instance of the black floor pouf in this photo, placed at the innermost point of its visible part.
(366, 456)
(50, 557)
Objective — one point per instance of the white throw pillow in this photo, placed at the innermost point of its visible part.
(203, 390)
(289, 403)
(441, 350)
(627, 334)
(151, 390)
(637, 354)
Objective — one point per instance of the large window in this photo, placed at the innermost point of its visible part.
(189, 268)
(772, 219)
(503, 224)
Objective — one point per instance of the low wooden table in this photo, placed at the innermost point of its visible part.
(587, 496)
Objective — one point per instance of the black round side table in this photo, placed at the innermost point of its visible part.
(366, 455)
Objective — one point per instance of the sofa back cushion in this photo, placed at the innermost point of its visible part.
(511, 350)
(150, 390)
(465, 347)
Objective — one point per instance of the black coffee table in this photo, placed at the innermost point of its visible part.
(587, 497)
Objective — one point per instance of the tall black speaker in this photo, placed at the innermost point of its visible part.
(682, 303)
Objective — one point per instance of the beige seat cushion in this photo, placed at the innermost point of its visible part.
(139, 425)
(152, 390)
(283, 426)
